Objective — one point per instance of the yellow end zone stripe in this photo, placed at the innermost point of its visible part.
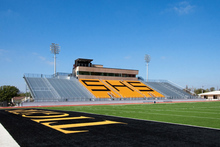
(49, 118)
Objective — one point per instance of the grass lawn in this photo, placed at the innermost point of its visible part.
(205, 114)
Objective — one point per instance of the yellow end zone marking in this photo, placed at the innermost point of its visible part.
(65, 126)
(58, 116)
(49, 116)
(65, 118)
(29, 113)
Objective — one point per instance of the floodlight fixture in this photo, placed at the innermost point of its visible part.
(55, 49)
(147, 60)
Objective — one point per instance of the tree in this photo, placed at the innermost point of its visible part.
(28, 94)
(7, 92)
(212, 89)
(188, 90)
(200, 90)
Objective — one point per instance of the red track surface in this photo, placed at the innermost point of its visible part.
(103, 104)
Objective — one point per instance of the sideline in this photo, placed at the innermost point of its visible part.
(89, 103)
(127, 102)
(6, 139)
(156, 121)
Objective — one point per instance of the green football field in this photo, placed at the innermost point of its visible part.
(204, 114)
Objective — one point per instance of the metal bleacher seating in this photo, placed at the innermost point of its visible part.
(39, 89)
(168, 89)
(67, 88)
(56, 89)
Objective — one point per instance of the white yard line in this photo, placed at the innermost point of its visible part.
(164, 114)
(188, 125)
(6, 139)
(176, 110)
(180, 115)
(147, 111)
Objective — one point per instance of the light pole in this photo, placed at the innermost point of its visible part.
(55, 49)
(147, 59)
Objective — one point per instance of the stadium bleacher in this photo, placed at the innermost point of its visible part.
(98, 88)
(168, 90)
(144, 89)
(119, 89)
(67, 88)
(57, 89)
(39, 89)
(124, 90)
(92, 82)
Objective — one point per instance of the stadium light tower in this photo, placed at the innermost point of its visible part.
(147, 59)
(55, 49)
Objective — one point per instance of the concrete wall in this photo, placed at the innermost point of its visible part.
(210, 97)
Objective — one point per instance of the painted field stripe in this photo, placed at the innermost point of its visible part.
(174, 110)
(182, 115)
(188, 125)
(177, 110)
(187, 111)
(151, 121)
(6, 139)
(164, 114)
(65, 118)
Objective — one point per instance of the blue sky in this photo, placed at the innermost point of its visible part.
(182, 38)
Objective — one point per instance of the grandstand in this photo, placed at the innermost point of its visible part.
(168, 89)
(59, 88)
(89, 82)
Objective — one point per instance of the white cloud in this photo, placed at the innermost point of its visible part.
(3, 56)
(8, 13)
(2, 51)
(43, 59)
(127, 57)
(183, 8)
(163, 58)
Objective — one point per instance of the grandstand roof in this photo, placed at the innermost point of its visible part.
(210, 93)
(83, 60)
(18, 98)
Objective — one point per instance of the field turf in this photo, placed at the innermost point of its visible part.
(39, 127)
(203, 114)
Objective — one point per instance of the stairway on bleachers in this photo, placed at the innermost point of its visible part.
(169, 90)
(39, 89)
(45, 89)
(57, 89)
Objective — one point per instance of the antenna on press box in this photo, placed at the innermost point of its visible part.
(55, 49)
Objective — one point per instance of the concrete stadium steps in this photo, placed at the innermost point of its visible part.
(119, 89)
